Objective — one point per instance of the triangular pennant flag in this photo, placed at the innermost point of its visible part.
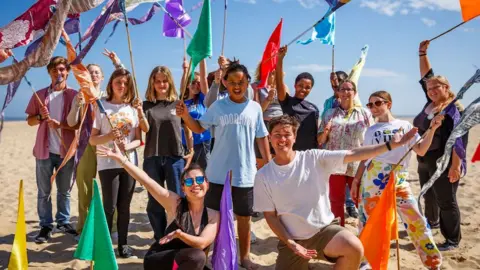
(381, 228)
(201, 45)
(476, 156)
(225, 248)
(95, 242)
(269, 59)
(18, 257)
(470, 9)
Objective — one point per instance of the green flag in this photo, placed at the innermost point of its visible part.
(95, 243)
(201, 45)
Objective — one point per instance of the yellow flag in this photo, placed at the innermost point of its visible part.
(18, 257)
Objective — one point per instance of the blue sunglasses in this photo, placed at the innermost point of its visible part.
(188, 182)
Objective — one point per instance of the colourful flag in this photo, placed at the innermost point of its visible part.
(269, 59)
(95, 242)
(201, 45)
(381, 228)
(176, 10)
(11, 90)
(336, 4)
(225, 249)
(324, 31)
(18, 257)
(470, 9)
(476, 155)
(474, 79)
(25, 27)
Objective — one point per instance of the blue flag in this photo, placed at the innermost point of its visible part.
(225, 248)
(323, 31)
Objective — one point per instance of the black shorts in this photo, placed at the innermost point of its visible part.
(242, 198)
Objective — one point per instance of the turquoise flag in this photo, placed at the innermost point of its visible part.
(324, 32)
(201, 45)
(95, 243)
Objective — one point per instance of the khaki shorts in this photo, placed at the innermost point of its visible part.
(287, 259)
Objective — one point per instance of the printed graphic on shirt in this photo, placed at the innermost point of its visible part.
(123, 122)
(236, 119)
(386, 135)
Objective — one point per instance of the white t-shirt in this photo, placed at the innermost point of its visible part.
(124, 117)
(299, 191)
(55, 108)
(383, 132)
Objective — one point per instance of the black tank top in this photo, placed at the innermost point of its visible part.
(184, 222)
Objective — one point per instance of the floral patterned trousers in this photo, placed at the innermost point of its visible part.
(372, 185)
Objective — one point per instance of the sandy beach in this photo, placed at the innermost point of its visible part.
(17, 162)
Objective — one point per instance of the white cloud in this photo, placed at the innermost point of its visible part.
(379, 72)
(391, 7)
(468, 30)
(314, 68)
(247, 1)
(309, 3)
(385, 7)
(429, 22)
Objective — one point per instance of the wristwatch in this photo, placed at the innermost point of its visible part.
(39, 117)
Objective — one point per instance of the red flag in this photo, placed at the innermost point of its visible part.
(269, 63)
(476, 156)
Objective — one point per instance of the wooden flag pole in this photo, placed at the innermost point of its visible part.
(448, 31)
(187, 80)
(131, 57)
(184, 48)
(333, 58)
(224, 27)
(91, 265)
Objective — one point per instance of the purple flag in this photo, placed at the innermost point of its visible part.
(170, 27)
(225, 248)
(11, 90)
(83, 141)
(71, 26)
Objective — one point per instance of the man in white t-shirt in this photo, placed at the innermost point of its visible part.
(292, 192)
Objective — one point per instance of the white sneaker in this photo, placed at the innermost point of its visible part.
(365, 266)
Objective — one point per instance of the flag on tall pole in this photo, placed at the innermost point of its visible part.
(170, 27)
(470, 9)
(225, 248)
(381, 228)
(95, 242)
(324, 31)
(476, 155)
(18, 257)
(200, 46)
(269, 59)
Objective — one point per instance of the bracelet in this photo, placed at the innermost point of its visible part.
(423, 54)
(389, 147)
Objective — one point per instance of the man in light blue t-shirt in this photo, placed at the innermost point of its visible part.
(238, 122)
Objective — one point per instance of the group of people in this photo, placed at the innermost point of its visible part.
(224, 122)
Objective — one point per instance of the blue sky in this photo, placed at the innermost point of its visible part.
(393, 29)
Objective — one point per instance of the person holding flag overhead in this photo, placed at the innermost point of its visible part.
(238, 123)
(192, 226)
(296, 203)
(372, 178)
(49, 108)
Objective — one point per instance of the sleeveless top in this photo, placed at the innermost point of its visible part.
(184, 222)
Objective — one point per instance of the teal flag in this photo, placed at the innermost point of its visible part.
(201, 45)
(95, 243)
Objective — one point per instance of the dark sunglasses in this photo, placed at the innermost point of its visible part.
(377, 103)
(188, 182)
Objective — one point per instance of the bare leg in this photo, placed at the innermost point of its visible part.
(244, 239)
(347, 248)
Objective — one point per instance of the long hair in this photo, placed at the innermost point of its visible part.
(443, 81)
(172, 91)
(128, 98)
(187, 91)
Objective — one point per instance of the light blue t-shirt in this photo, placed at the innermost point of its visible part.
(236, 127)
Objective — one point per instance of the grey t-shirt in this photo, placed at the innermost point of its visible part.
(274, 109)
(165, 135)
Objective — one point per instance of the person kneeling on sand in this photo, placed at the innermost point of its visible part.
(292, 192)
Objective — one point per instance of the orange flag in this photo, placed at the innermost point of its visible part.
(470, 9)
(381, 228)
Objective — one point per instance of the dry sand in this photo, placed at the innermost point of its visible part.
(17, 162)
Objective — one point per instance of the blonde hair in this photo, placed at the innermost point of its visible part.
(172, 91)
(128, 98)
(443, 81)
(95, 65)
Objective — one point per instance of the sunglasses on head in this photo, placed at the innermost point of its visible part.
(377, 103)
(188, 182)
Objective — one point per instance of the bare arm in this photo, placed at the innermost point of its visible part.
(32, 120)
(136, 142)
(371, 151)
(189, 122)
(281, 90)
(203, 77)
(207, 236)
(96, 138)
(424, 61)
(264, 148)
